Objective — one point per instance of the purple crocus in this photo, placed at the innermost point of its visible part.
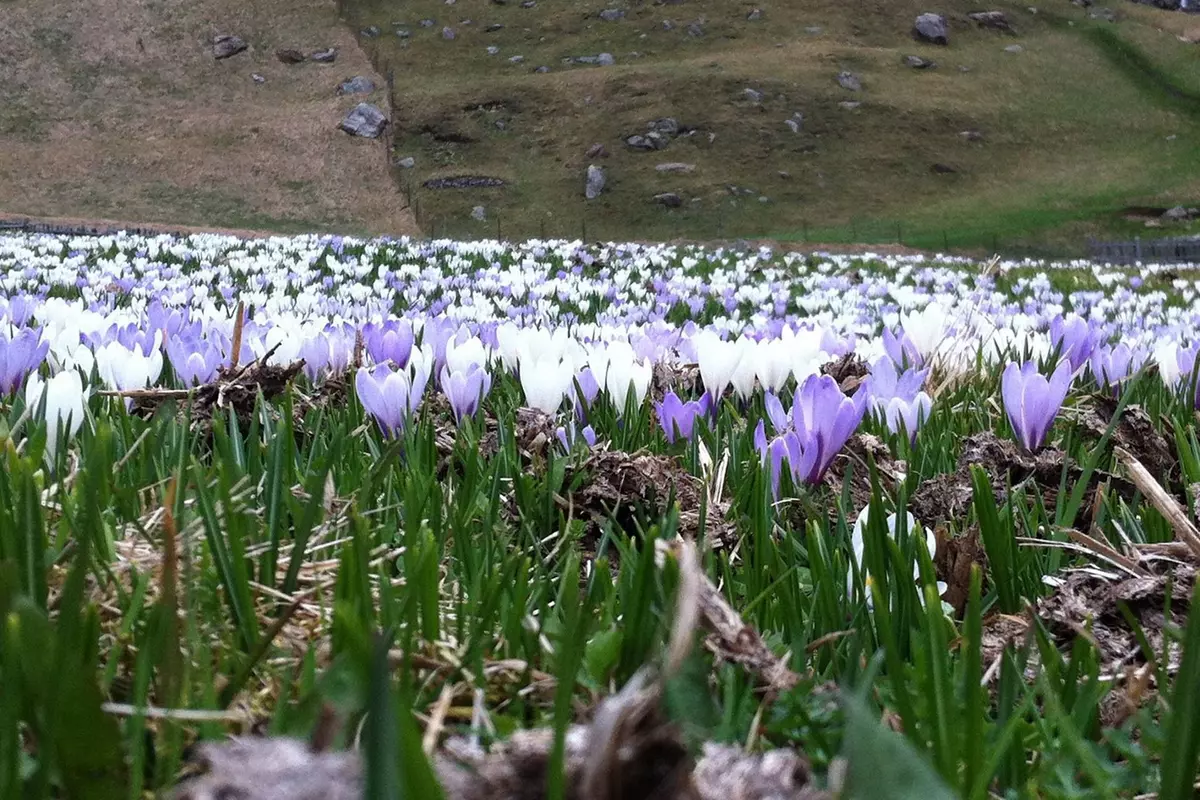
(389, 341)
(20, 355)
(901, 349)
(1112, 365)
(390, 396)
(465, 389)
(1074, 338)
(1032, 402)
(898, 398)
(195, 361)
(589, 389)
(677, 418)
(569, 436)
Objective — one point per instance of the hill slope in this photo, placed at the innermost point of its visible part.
(117, 109)
(1053, 140)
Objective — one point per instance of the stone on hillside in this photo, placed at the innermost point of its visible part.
(916, 62)
(668, 126)
(1014, 48)
(289, 55)
(448, 33)
(597, 150)
(668, 199)
(479, 214)
(605, 59)
(326, 56)
(695, 29)
(227, 45)
(668, 25)
(753, 95)
(529, 4)
(942, 169)
(595, 182)
(542, 70)
(639, 142)
(254, 76)
(971, 135)
(1176, 214)
(814, 30)
(428, 23)
(371, 32)
(995, 20)
(675, 166)
(611, 14)
(755, 15)
(1106, 14)
(516, 59)
(364, 120)
(359, 84)
(401, 33)
(493, 50)
(849, 81)
(408, 162)
(850, 105)
(495, 26)
(931, 28)
(795, 122)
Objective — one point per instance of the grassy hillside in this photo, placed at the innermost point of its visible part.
(1071, 129)
(117, 109)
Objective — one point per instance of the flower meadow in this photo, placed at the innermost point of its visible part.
(923, 525)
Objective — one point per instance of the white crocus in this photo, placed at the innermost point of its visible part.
(718, 360)
(64, 395)
(772, 364)
(545, 382)
(858, 545)
(123, 369)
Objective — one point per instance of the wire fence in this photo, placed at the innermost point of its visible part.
(1150, 251)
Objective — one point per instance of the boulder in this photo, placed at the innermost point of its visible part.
(753, 95)
(364, 120)
(359, 84)
(931, 28)
(668, 199)
(849, 81)
(227, 45)
(479, 214)
(597, 150)
(595, 182)
(916, 62)
(408, 162)
(611, 14)
(994, 20)
(326, 56)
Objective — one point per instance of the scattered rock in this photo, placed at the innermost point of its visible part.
(695, 29)
(755, 15)
(931, 28)
(597, 150)
(942, 169)
(516, 59)
(668, 25)
(605, 59)
(542, 70)
(290, 56)
(408, 162)
(916, 62)
(254, 76)
(495, 26)
(401, 33)
(1176, 214)
(595, 182)
(479, 213)
(1014, 48)
(611, 14)
(668, 199)
(784, 174)
(326, 56)
(795, 122)
(814, 30)
(427, 23)
(364, 120)
(359, 84)
(529, 4)
(849, 81)
(753, 95)
(448, 33)
(227, 45)
(1106, 14)
(371, 32)
(675, 166)
(971, 135)
(850, 105)
(493, 50)
(993, 20)
(465, 182)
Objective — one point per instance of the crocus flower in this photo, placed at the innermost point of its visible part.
(677, 418)
(898, 399)
(1031, 401)
(621, 374)
(465, 389)
(389, 395)
(569, 436)
(123, 369)
(545, 381)
(907, 415)
(858, 546)
(195, 361)
(584, 390)
(20, 354)
(389, 341)
(718, 361)
(1113, 365)
(901, 349)
(64, 395)
(1074, 339)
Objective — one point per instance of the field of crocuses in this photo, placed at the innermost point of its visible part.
(578, 520)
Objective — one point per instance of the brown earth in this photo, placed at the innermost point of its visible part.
(116, 109)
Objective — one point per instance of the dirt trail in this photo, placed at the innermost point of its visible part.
(116, 109)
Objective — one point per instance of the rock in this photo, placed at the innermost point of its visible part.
(755, 15)
(227, 45)
(290, 56)
(605, 59)
(1014, 48)
(942, 169)
(516, 59)
(994, 20)
(408, 162)
(916, 62)
(479, 213)
(850, 105)
(427, 23)
(668, 199)
(493, 50)
(403, 34)
(611, 14)
(639, 142)
(849, 81)
(931, 28)
(254, 76)
(448, 33)
(595, 182)
(814, 30)
(753, 95)
(784, 174)
(364, 120)
(371, 32)
(1176, 214)
(359, 84)
(762, 198)
(668, 126)
(668, 25)
(465, 182)
(695, 29)
(495, 26)
(326, 56)
(675, 166)
(542, 70)
(529, 4)
(597, 150)
(1106, 14)
(971, 135)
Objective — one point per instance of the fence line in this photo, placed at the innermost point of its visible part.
(1151, 251)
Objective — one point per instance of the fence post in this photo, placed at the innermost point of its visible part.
(1137, 248)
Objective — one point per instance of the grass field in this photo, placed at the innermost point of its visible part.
(1072, 132)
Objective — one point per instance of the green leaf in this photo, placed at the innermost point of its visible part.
(883, 765)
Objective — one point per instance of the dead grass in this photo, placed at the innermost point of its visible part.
(118, 110)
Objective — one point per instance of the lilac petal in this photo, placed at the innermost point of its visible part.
(779, 419)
